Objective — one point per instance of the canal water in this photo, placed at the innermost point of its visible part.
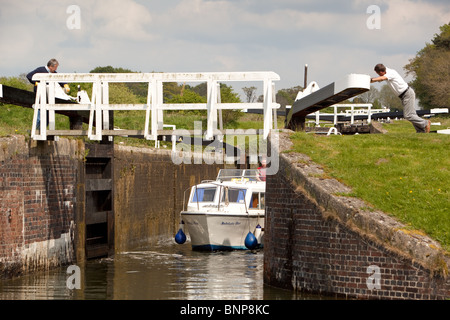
(163, 271)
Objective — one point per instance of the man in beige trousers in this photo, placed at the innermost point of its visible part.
(405, 93)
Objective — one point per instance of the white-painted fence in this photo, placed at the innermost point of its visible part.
(99, 105)
(363, 109)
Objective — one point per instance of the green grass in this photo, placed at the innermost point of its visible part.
(18, 120)
(402, 173)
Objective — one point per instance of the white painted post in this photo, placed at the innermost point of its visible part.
(43, 107)
(154, 108)
(35, 108)
(352, 115)
(157, 104)
(147, 112)
(335, 115)
(274, 99)
(92, 109)
(160, 100)
(267, 107)
(211, 109)
(51, 92)
(219, 101)
(105, 101)
(51, 100)
(96, 111)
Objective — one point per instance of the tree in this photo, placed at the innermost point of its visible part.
(287, 96)
(227, 95)
(120, 93)
(250, 94)
(170, 90)
(198, 94)
(138, 89)
(431, 68)
(369, 96)
(389, 99)
(132, 93)
(201, 89)
(110, 69)
(188, 96)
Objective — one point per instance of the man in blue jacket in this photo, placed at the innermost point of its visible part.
(51, 67)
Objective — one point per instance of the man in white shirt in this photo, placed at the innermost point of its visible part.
(405, 93)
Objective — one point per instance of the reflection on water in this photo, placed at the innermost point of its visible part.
(166, 271)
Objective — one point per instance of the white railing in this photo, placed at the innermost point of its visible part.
(99, 105)
(363, 109)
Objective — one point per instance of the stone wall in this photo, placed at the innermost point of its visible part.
(319, 242)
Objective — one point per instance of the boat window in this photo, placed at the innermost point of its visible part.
(257, 201)
(235, 195)
(204, 194)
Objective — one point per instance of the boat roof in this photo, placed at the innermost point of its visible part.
(237, 174)
(238, 178)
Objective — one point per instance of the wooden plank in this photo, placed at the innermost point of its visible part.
(17, 97)
(24, 98)
(65, 132)
(97, 217)
(97, 250)
(123, 132)
(98, 184)
(140, 133)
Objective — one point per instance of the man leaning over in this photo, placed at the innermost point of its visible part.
(51, 67)
(406, 95)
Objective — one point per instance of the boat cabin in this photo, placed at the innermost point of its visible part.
(232, 188)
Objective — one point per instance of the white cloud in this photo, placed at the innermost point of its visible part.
(410, 21)
(119, 19)
(218, 35)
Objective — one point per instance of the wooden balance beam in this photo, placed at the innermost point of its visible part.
(26, 99)
(352, 85)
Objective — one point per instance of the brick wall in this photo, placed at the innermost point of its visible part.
(315, 245)
(37, 199)
(148, 194)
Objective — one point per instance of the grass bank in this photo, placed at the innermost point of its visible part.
(402, 173)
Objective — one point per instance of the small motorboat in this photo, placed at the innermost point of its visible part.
(226, 213)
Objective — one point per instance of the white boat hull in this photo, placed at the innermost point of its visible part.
(219, 230)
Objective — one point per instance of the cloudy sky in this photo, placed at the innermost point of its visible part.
(334, 38)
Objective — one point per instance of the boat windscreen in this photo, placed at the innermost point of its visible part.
(234, 195)
(204, 194)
